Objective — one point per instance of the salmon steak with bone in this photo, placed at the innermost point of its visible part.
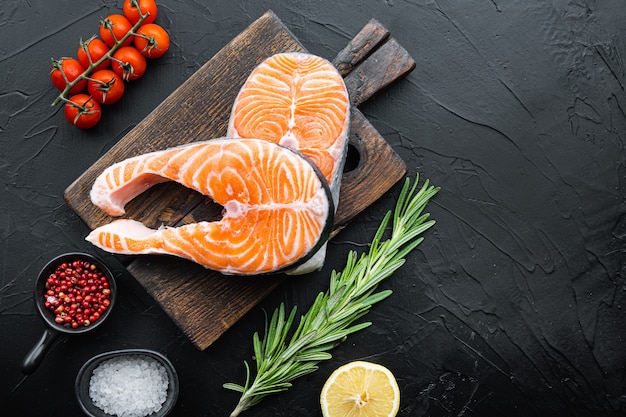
(276, 175)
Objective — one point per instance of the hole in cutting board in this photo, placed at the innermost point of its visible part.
(353, 158)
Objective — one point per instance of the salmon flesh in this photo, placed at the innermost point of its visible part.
(277, 207)
(277, 173)
(298, 100)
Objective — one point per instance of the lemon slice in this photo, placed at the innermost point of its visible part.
(360, 389)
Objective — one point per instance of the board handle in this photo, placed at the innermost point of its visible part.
(371, 62)
(360, 47)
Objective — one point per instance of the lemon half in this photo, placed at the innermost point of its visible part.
(360, 389)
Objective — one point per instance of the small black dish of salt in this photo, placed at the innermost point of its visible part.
(128, 382)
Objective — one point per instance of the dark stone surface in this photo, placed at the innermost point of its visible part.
(513, 304)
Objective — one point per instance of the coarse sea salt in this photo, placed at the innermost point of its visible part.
(129, 386)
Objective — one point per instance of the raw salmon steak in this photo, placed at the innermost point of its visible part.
(298, 100)
(277, 207)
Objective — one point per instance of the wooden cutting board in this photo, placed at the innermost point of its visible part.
(203, 303)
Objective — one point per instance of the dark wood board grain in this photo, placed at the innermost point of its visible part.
(203, 303)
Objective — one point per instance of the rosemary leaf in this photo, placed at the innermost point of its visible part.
(375, 298)
(233, 387)
(297, 345)
(272, 389)
(331, 317)
(333, 337)
(313, 357)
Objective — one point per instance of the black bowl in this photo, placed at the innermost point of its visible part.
(85, 373)
(54, 329)
(40, 291)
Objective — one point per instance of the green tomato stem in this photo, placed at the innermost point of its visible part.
(109, 55)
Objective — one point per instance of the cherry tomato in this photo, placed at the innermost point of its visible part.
(82, 111)
(105, 86)
(90, 52)
(152, 40)
(66, 70)
(134, 9)
(128, 63)
(113, 28)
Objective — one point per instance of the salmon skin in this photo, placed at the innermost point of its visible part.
(278, 208)
(298, 100)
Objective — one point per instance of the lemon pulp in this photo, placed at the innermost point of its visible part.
(360, 389)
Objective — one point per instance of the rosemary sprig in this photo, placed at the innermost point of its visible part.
(280, 359)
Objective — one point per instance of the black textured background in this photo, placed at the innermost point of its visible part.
(512, 306)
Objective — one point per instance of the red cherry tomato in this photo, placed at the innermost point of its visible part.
(105, 86)
(128, 63)
(134, 9)
(90, 52)
(152, 40)
(82, 111)
(66, 70)
(113, 28)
